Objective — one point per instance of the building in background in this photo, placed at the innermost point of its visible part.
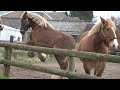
(71, 25)
(9, 31)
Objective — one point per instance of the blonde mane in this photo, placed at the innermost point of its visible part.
(96, 28)
(39, 20)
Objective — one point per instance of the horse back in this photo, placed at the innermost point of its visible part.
(48, 37)
(66, 42)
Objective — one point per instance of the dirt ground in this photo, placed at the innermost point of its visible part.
(112, 71)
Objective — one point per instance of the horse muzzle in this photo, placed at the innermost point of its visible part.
(1, 27)
(114, 44)
(22, 32)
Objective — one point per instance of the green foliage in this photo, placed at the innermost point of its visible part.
(50, 58)
(83, 15)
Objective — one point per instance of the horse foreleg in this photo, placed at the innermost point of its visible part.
(42, 57)
(30, 53)
(87, 67)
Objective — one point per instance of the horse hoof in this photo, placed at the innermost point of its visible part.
(42, 57)
(43, 60)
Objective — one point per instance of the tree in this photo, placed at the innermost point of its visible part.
(94, 19)
(83, 15)
(118, 20)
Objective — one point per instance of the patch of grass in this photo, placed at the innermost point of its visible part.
(22, 56)
(25, 58)
(50, 58)
(3, 77)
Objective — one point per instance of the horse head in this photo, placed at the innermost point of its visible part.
(25, 23)
(1, 24)
(30, 19)
(108, 32)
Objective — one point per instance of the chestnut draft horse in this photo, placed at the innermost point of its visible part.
(98, 40)
(44, 35)
(1, 23)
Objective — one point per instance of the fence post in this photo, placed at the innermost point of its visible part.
(72, 64)
(7, 56)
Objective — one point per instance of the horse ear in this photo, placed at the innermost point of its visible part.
(25, 13)
(102, 20)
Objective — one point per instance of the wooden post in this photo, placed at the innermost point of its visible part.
(72, 64)
(6, 67)
(7, 56)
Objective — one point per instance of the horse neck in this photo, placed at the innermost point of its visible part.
(34, 26)
(97, 40)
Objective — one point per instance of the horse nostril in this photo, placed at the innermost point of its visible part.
(22, 32)
(1, 28)
(113, 45)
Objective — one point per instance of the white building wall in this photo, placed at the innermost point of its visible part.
(8, 31)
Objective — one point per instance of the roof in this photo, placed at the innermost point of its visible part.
(73, 28)
(70, 19)
(47, 15)
(10, 28)
(15, 14)
(3, 12)
(57, 15)
(89, 26)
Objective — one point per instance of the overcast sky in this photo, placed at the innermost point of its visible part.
(106, 14)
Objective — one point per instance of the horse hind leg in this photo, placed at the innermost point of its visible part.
(95, 72)
(99, 70)
(63, 62)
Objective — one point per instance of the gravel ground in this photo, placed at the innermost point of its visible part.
(112, 71)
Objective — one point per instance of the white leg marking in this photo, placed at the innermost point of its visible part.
(44, 55)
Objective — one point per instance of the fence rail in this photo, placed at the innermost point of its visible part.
(71, 53)
(60, 72)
